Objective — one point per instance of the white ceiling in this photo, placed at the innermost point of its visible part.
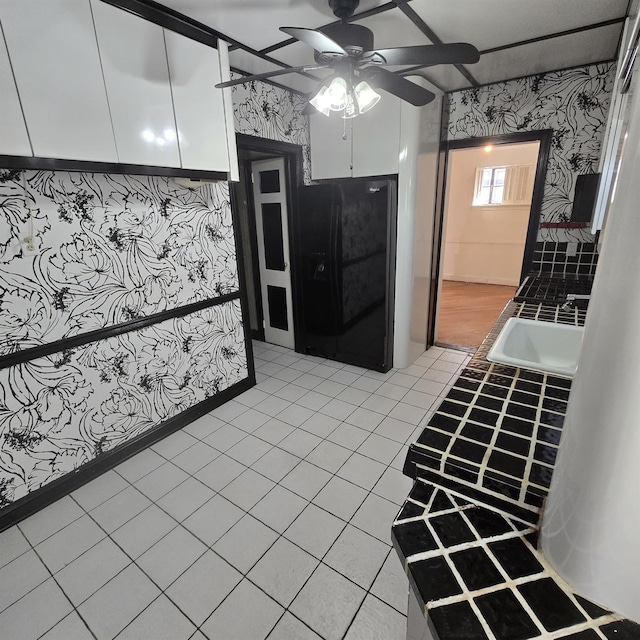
(509, 25)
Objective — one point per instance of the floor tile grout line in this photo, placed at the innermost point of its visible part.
(190, 474)
(160, 595)
(369, 491)
(83, 509)
(64, 593)
(32, 589)
(305, 458)
(163, 590)
(210, 547)
(320, 562)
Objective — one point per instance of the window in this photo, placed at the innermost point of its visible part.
(510, 185)
(491, 187)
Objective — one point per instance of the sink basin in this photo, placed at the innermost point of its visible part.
(542, 346)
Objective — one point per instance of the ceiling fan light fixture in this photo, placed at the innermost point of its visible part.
(322, 100)
(365, 96)
(351, 106)
(338, 93)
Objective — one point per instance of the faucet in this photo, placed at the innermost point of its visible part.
(573, 301)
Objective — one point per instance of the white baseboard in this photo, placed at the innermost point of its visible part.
(477, 280)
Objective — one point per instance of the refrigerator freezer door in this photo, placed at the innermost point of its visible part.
(345, 232)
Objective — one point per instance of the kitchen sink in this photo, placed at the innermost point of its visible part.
(541, 346)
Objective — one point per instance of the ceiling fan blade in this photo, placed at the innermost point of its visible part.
(315, 39)
(380, 78)
(268, 74)
(428, 54)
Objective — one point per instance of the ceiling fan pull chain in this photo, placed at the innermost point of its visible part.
(344, 126)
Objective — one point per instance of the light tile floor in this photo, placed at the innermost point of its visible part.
(268, 518)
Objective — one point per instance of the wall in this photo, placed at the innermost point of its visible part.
(484, 244)
(417, 175)
(574, 103)
(111, 249)
(591, 526)
(108, 249)
(266, 111)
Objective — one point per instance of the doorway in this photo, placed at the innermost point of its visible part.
(263, 202)
(491, 194)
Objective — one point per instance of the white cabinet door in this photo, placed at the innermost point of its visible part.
(194, 69)
(134, 63)
(14, 140)
(376, 139)
(330, 154)
(54, 54)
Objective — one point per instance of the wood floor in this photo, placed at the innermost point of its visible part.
(468, 310)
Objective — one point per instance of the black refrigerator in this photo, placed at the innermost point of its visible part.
(347, 233)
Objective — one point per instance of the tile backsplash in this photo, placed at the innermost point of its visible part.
(557, 258)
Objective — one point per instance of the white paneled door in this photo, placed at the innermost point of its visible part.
(270, 200)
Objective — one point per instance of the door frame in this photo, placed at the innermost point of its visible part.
(292, 154)
(544, 136)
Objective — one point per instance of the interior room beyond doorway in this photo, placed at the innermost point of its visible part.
(488, 205)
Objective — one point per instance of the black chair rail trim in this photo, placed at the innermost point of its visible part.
(25, 355)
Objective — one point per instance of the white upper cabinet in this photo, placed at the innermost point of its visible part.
(134, 64)
(376, 139)
(93, 82)
(14, 140)
(330, 153)
(53, 51)
(371, 148)
(194, 69)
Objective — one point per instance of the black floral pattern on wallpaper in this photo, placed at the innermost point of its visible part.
(62, 411)
(574, 103)
(267, 111)
(108, 248)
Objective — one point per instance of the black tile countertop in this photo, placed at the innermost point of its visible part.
(552, 289)
(497, 431)
(467, 534)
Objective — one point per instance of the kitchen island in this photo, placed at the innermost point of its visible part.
(467, 534)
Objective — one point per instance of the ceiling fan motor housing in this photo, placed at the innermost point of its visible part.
(353, 38)
(343, 8)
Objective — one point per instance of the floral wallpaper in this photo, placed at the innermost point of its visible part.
(264, 110)
(574, 103)
(107, 249)
(61, 411)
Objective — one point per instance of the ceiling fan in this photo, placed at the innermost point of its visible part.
(348, 50)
